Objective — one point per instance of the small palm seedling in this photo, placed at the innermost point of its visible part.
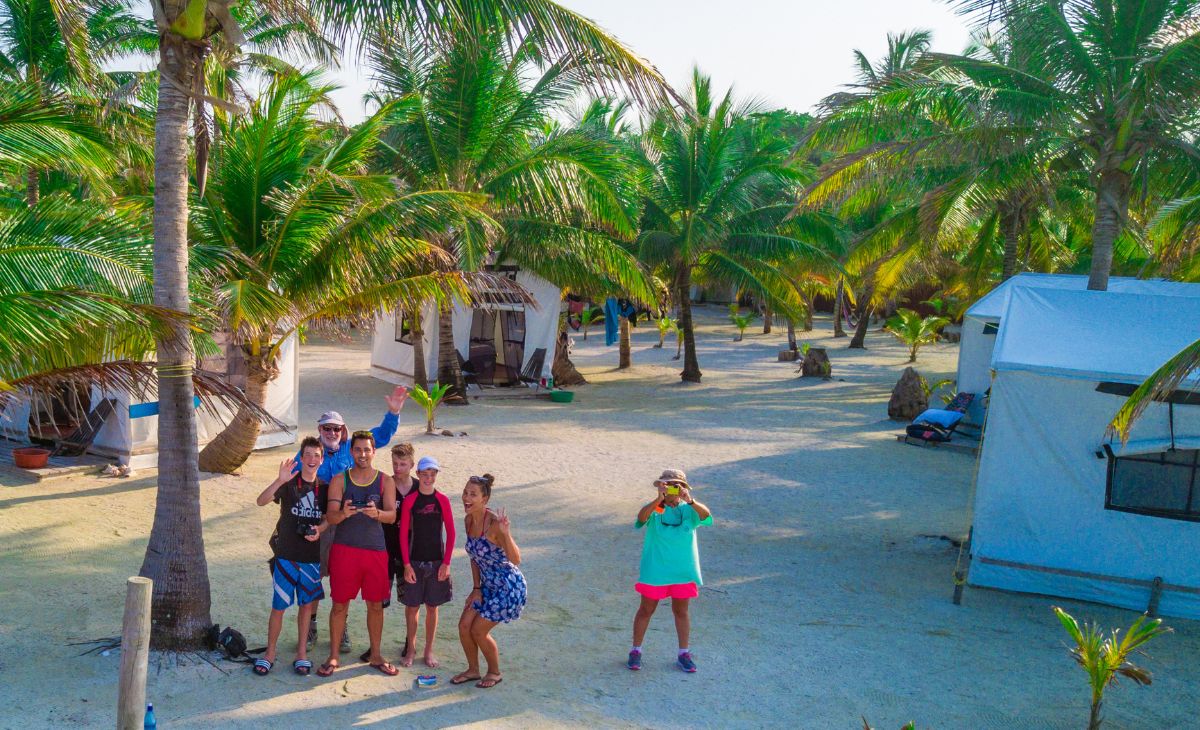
(589, 317)
(1104, 657)
(666, 326)
(741, 321)
(429, 400)
(912, 330)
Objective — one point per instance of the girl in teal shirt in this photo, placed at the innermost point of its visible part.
(670, 561)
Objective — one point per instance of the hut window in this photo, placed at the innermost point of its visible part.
(403, 327)
(991, 328)
(1160, 484)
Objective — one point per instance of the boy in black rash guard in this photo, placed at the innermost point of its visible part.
(296, 575)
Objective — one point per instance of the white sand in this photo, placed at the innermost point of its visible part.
(824, 601)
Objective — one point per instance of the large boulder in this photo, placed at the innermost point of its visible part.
(816, 364)
(908, 397)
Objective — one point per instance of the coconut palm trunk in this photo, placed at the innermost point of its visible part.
(791, 335)
(33, 190)
(175, 552)
(626, 358)
(562, 369)
(1010, 229)
(691, 366)
(420, 375)
(1112, 206)
(449, 371)
(768, 320)
(839, 301)
(859, 340)
(230, 449)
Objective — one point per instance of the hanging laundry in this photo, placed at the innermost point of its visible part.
(612, 313)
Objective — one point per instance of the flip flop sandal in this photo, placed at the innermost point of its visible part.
(262, 667)
(386, 668)
(464, 680)
(302, 667)
(326, 669)
(482, 683)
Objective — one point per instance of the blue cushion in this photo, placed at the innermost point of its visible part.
(939, 417)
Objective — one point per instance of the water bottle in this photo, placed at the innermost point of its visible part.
(151, 722)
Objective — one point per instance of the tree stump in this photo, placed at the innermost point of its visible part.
(789, 355)
(908, 397)
(563, 369)
(816, 364)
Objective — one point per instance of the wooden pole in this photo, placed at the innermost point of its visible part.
(135, 654)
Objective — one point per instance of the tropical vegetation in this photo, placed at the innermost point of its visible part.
(218, 202)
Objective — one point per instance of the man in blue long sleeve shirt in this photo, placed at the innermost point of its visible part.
(335, 439)
(335, 436)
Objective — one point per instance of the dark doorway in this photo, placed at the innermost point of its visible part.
(497, 347)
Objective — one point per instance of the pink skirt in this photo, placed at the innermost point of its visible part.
(675, 590)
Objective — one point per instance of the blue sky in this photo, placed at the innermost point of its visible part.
(783, 52)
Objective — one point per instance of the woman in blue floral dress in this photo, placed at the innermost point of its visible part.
(500, 589)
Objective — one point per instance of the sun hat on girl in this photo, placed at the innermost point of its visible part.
(673, 476)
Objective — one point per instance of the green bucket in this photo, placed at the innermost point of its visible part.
(562, 396)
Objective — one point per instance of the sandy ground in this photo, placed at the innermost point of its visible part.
(827, 594)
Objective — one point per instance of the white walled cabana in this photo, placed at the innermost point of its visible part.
(981, 323)
(1055, 511)
(521, 334)
(130, 434)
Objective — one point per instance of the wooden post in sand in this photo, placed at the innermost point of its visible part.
(135, 654)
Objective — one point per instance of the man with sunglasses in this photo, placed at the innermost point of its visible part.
(335, 440)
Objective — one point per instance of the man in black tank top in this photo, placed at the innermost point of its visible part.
(361, 500)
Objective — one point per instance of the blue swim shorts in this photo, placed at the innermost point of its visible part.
(296, 583)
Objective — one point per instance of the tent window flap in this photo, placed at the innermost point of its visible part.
(1159, 484)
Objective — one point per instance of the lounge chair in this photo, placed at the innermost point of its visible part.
(937, 425)
(533, 371)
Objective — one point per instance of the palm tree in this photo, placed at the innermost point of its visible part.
(1103, 658)
(466, 120)
(301, 234)
(1118, 96)
(175, 552)
(914, 330)
(75, 291)
(716, 191)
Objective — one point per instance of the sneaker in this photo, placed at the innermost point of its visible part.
(635, 660)
(685, 662)
(345, 647)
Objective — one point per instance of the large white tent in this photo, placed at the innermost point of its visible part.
(981, 322)
(1060, 510)
(130, 434)
(498, 339)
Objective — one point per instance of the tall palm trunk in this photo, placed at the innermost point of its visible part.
(1112, 206)
(449, 371)
(175, 553)
(859, 340)
(33, 187)
(420, 375)
(808, 314)
(768, 320)
(691, 366)
(230, 449)
(625, 347)
(1010, 229)
(839, 302)
(791, 332)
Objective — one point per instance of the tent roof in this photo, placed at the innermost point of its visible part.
(1095, 335)
(992, 304)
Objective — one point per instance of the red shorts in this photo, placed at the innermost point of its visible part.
(352, 569)
(658, 593)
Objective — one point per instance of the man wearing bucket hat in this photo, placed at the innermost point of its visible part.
(670, 565)
(335, 440)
